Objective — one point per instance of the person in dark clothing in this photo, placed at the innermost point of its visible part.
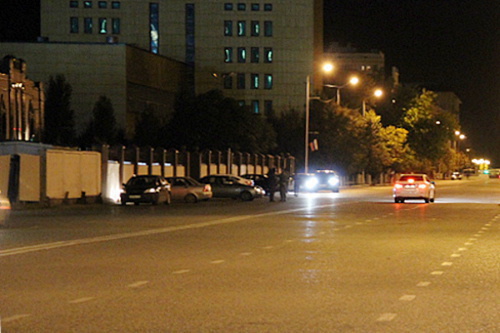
(284, 178)
(272, 183)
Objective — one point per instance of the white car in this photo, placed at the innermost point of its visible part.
(414, 186)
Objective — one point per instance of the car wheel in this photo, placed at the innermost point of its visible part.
(123, 203)
(431, 199)
(190, 198)
(396, 200)
(426, 200)
(246, 196)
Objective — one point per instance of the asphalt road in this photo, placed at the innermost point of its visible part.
(352, 261)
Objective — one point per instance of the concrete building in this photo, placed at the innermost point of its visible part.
(21, 102)
(133, 79)
(258, 52)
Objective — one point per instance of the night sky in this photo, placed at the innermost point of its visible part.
(450, 44)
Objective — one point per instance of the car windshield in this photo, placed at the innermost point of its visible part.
(142, 181)
(414, 177)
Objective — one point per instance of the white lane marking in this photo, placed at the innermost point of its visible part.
(487, 225)
(407, 298)
(216, 262)
(462, 249)
(387, 317)
(437, 273)
(149, 232)
(477, 235)
(484, 228)
(456, 255)
(137, 284)
(423, 284)
(268, 247)
(181, 271)
(472, 239)
(447, 263)
(81, 300)
(480, 232)
(15, 317)
(245, 253)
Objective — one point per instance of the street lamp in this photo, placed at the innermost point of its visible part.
(377, 93)
(352, 81)
(326, 68)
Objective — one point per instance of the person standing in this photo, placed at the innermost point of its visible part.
(272, 183)
(284, 178)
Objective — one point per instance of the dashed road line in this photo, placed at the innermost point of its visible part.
(13, 318)
(437, 273)
(216, 262)
(385, 317)
(423, 284)
(81, 300)
(138, 284)
(407, 298)
(181, 271)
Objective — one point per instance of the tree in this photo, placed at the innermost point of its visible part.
(148, 129)
(59, 123)
(102, 128)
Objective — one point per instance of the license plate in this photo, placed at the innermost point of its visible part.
(135, 197)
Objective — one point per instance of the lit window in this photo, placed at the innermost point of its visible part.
(73, 23)
(268, 54)
(115, 26)
(228, 80)
(255, 106)
(115, 4)
(242, 27)
(268, 28)
(228, 6)
(103, 4)
(254, 54)
(268, 7)
(268, 81)
(103, 25)
(240, 81)
(228, 54)
(255, 26)
(254, 81)
(242, 6)
(87, 4)
(255, 7)
(242, 54)
(228, 28)
(87, 25)
(73, 4)
(154, 24)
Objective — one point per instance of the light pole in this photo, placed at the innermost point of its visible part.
(352, 81)
(377, 93)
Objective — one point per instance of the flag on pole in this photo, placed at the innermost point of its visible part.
(314, 145)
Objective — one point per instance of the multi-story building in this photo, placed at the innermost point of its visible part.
(259, 52)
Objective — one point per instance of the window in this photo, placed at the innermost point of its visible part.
(242, 54)
(154, 24)
(115, 4)
(103, 25)
(190, 40)
(254, 81)
(240, 81)
(255, 7)
(228, 28)
(255, 28)
(228, 54)
(73, 4)
(73, 25)
(115, 26)
(268, 108)
(103, 4)
(254, 54)
(87, 4)
(87, 25)
(268, 81)
(268, 55)
(268, 28)
(242, 6)
(242, 27)
(255, 106)
(228, 6)
(228, 81)
(268, 7)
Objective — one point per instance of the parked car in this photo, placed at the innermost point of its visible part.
(189, 190)
(261, 180)
(146, 189)
(494, 173)
(230, 186)
(414, 186)
(456, 176)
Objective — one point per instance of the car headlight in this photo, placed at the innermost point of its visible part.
(311, 183)
(150, 190)
(333, 181)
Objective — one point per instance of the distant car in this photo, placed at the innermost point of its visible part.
(230, 186)
(414, 186)
(456, 176)
(321, 180)
(189, 190)
(146, 189)
(494, 173)
(261, 180)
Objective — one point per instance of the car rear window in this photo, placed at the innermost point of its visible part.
(416, 178)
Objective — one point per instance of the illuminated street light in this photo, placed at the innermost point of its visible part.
(376, 93)
(352, 81)
(327, 67)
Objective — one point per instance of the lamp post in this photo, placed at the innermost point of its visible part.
(352, 81)
(377, 93)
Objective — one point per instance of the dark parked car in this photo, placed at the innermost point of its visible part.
(189, 190)
(146, 189)
(261, 180)
(229, 186)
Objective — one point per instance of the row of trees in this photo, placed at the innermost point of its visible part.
(415, 135)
